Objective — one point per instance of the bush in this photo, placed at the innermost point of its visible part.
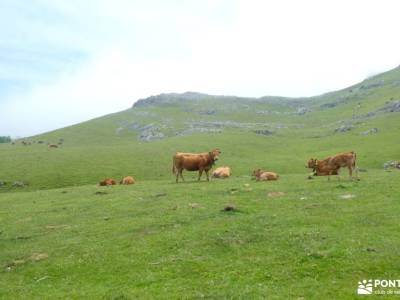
(5, 139)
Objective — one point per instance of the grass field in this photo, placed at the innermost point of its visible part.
(164, 241)
(63, 237)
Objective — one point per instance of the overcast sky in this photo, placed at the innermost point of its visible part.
(66, 61)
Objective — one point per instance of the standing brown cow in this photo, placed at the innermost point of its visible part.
(331, 165)
(194, 162)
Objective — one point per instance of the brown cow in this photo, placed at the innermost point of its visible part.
(261, 175)
(320, 167)
(222, 172)
(194, 162)
(52, 146)
(127, 180)
(107, 182)
(331, 165)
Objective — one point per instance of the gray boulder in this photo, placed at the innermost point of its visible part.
(302, 110)
(344, 128)
(370, 131)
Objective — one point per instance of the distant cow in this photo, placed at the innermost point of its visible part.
(127, 180)
(331, 165)
(52, 146)
(261, 175)
(107, 182)
(194, 162)
(221, 172)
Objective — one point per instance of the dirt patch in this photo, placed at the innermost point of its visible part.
(34, 257)
(64, 226)
(38, 256)
(275, 194)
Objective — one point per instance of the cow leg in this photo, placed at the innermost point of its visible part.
(180, 173)
(200, 173)
(208, 178)
(351, 172)
(177, 175)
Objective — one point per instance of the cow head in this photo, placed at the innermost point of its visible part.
(214, 154)
(312, 163)
(257, 173)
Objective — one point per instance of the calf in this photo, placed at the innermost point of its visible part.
(261, 175)
(107, 182)
(127, 180)
(222, 172)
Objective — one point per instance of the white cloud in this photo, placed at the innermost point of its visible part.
(247, 48)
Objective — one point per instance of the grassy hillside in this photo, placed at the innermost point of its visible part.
(63, 237)
(141, 140)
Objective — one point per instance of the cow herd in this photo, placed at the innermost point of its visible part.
(203, 162)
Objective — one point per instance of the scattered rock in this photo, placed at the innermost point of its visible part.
(372, 85)
(347, 196)
(229, 207)
(263, 132)
(391, 164)
(370, 131)
(303, 110)
(100, 193)
(344, 128)
(275, 194)
(362, 170)
(329, 105)
(19, 184)
(208, 112)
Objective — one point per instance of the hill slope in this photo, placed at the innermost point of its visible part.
(272, 132)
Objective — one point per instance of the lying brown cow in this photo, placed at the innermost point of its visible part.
(194, 162)
(52, 146)
(107, 182)
(221, 172)
(127, 180)
(261, 175)
(331, 165)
